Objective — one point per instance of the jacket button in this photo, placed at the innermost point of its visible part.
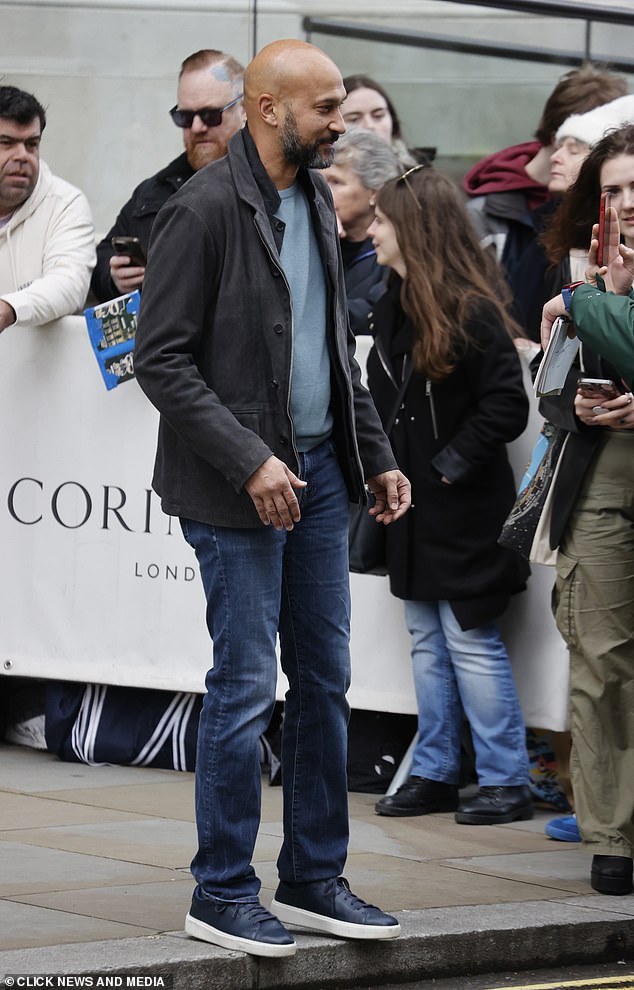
(275, 383)
(278, 328)
(283, 440)
(275, 272)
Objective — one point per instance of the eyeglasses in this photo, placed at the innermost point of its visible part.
(210, 116)
(405, 176)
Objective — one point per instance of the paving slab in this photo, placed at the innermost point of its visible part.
(150, 841)
(27, 869)
(94, 878)
(19, 772)
(23, 811)
(160, 906)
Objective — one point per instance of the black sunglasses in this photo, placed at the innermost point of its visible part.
(210, 116)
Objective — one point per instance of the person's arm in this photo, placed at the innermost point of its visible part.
(605, 322)
(109, 277)
(500, 406)
(67, 261)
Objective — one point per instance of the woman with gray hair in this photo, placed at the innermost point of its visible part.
(363, 162)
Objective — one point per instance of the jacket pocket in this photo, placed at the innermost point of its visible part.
(565, 597)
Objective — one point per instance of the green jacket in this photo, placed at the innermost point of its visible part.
(605, 322)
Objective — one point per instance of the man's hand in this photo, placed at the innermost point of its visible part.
(126, 276)
(552, 309)
(7, 315)
(271, 488)
(393, 494)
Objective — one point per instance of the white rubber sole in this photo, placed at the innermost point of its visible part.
(330, 926)
(206, 933)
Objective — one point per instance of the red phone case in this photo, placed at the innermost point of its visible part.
(604, 230)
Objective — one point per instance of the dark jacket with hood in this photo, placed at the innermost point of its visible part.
(502, 198)
(215, 339)
(446, 547)
(136, 219)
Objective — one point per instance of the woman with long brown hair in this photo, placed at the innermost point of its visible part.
(465, 401)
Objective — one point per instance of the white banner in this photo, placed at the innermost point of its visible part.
(98, 584)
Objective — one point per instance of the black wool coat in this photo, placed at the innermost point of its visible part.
(446, 547)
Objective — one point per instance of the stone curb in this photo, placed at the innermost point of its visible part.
(437, 942)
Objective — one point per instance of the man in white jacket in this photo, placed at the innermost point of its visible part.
(47, 244)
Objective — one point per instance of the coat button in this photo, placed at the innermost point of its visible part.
(275, 383)
(278, 328)
(283, 440)
(275, 272)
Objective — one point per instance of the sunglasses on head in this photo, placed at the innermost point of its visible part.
(405, 177)
(210, 116)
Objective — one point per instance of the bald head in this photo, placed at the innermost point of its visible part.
(292, 96)
(285, 67)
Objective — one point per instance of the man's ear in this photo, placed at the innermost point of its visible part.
(267, 106)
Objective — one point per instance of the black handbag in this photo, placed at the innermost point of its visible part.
(366, 537)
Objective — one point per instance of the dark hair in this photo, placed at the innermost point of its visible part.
(211, 56)
(449, 276)
(571, 226)
(21, 107)
(365, 82)
(578, 91)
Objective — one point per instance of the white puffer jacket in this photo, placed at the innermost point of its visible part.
(47, 252)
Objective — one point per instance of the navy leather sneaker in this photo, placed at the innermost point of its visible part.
(246, 926)
(329, 906)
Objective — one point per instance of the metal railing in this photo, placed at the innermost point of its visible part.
(588, 13)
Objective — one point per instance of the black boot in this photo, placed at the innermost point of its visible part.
(419, 796)
(612, 874)
(495, 805)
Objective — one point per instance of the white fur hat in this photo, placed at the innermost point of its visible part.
(591, 126)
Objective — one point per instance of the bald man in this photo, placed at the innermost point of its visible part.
(266, 435)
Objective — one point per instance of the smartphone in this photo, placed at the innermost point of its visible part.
(132, 248)
(604, 230)
(597, 388)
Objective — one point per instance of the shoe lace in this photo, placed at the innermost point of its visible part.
(251, 911)
(355, 902)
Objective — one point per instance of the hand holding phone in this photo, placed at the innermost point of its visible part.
(597, 388)
(130, 247)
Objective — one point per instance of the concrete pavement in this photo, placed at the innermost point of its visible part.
(94, 879)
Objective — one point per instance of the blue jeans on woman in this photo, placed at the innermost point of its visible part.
(258, 581)
(460, 671)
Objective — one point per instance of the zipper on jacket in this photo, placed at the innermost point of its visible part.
(432, 408)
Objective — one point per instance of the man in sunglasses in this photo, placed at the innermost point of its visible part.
(209, 111)
(266, 435)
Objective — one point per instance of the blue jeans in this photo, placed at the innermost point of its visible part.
(256, 582)
(458, 671)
